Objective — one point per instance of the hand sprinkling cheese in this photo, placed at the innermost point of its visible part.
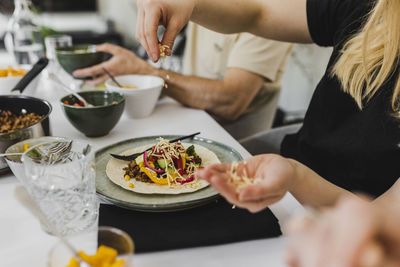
(240, 181)
(162, 50)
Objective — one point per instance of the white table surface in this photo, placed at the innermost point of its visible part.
(23, 243)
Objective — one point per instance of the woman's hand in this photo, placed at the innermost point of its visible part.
(354, 234)
(122, 62)
(172, 14)
(276, 176)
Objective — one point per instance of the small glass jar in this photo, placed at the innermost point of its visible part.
(23, 39)
(53, 42)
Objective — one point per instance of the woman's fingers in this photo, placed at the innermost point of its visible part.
(170, 34)
(172, 14)
(260, 191)
(219, 182)
(331, 241)
(207, 172)
(256, 206)
(227, 190)
(140, 33)
(372, 255)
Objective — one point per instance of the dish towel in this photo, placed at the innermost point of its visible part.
(212, 224)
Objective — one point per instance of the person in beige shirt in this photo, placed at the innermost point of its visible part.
(235, 77)
(213, 55)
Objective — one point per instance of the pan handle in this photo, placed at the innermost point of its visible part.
(35, 71)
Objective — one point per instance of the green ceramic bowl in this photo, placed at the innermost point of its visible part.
(78, 57)
(98, 120)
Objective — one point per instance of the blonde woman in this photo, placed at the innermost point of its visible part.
(349, 140)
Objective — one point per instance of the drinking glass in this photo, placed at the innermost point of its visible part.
(52, 43)
(23, 38)
(60, 178)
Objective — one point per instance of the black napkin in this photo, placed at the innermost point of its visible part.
(212, 224)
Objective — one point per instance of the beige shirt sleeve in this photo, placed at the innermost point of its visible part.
(258, 55)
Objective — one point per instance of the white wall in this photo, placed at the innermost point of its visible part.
(306, 66)
(123, 13)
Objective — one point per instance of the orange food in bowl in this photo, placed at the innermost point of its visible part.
(129, 87)
(11, 72)
(104, 257)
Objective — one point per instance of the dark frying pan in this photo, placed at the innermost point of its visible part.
(20, 104)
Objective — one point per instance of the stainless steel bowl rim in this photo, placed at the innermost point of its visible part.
(27, 97)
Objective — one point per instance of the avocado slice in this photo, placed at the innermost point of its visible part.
(170, 171)
(139, 159)
(162, 163)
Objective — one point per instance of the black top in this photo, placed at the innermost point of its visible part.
(354, 149)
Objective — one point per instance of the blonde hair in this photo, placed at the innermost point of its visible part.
(371, 56)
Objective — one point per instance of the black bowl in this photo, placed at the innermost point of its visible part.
(16, 104)
(98, 120)
(79, 57)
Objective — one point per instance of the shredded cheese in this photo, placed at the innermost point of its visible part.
(240, 181)
(162, 50)
(168, 152)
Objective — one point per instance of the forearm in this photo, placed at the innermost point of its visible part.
(191, 91)
(227, 16)
(283, 20)
(212, 95)
(310, 189)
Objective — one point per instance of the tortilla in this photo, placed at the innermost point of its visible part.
(116, 174)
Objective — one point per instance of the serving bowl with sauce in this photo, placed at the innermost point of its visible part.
(141, 91)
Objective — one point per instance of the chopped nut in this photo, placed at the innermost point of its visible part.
(162, 50)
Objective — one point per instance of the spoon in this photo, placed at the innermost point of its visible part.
(112, 78)
(54, 78)
(25, 199)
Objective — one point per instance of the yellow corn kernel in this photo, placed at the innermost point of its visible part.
(127, 177)
(118, 263)
(26, 147)
(131, 185)
(73, 262)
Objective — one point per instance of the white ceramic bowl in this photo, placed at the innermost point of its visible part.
(140, 102)
(8, 83)
(14, 162)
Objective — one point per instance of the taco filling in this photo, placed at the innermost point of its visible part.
(164, 164)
